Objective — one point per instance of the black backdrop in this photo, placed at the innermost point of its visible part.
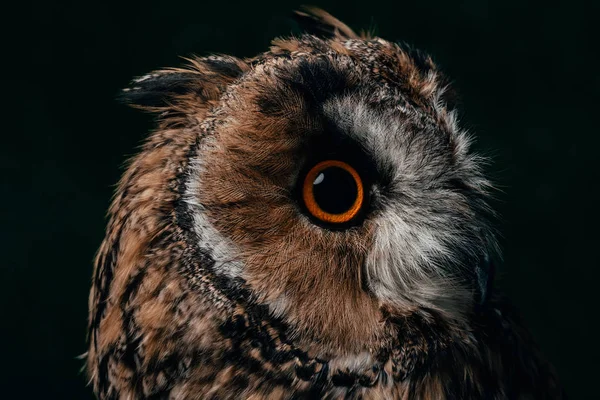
(526, 72)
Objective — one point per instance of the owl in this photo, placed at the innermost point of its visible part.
(307, 223)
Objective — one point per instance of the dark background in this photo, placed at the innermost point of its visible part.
(527, 74)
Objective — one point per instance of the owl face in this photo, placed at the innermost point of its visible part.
(330, 179)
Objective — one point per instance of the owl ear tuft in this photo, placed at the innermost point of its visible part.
(202, 80)
(318, 22)
(157, 88)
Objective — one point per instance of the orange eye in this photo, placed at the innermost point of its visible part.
(333, 192)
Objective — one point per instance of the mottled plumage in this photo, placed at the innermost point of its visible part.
(214, 281)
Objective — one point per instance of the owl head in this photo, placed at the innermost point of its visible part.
(326, 179)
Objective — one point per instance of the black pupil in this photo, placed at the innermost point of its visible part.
(335, 190)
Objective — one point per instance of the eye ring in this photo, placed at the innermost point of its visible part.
(313, 207)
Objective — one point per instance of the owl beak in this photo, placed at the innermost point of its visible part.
(485, 277)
